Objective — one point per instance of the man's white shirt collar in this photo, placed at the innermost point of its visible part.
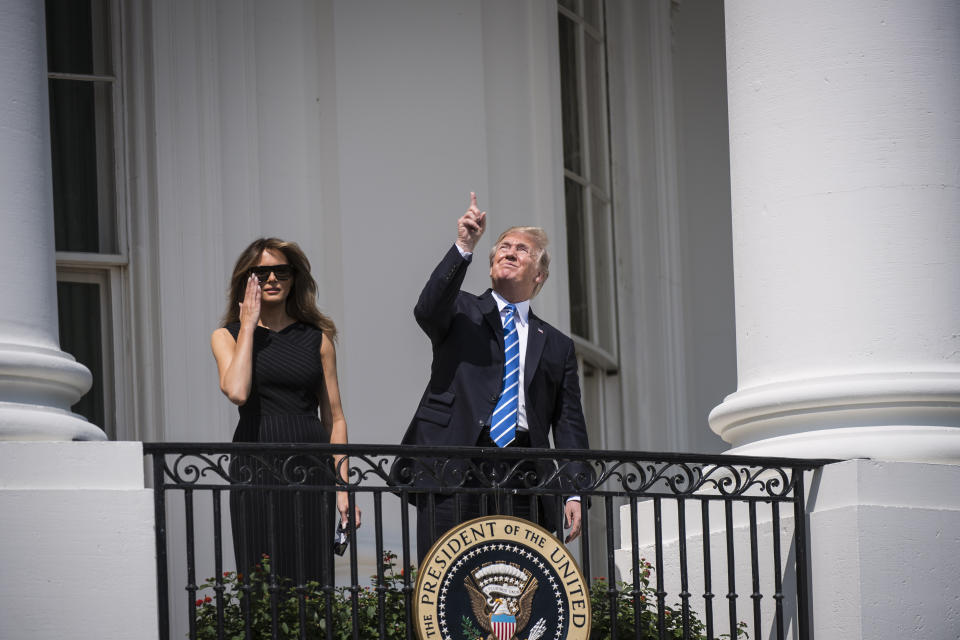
(523, 308)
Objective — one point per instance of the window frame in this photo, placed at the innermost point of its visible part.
(109, 270)
(599, 319)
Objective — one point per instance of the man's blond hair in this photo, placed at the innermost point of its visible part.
(540, 240)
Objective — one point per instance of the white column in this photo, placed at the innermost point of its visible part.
(38, 382)
(845, 175)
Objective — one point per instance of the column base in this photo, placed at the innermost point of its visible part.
(911, 417)
(38, 385)
(906, 443)
(34, 422)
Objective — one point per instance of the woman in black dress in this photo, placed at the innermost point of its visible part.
(277, 363)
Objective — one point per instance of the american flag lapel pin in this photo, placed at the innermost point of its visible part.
(539, 330)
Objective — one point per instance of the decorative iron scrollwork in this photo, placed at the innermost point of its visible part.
(412, 468)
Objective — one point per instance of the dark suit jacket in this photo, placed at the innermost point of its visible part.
(466, 334)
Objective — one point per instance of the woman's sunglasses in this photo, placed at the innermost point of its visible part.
(281, 271)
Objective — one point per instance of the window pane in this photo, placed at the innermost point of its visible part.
(569, 4)
(82, 148)
(577, 260)
(569, 95)
(77, 36)
(78, 310)
(592, 13)
(603, 274)
(596, 112)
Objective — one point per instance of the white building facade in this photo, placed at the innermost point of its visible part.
(753, 213)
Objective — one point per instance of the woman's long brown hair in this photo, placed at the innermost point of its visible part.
(302, 301)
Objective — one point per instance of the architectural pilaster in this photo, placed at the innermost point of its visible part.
(845, 144)
(38, 382)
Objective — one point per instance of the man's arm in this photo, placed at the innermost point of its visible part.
(570, 432)
(569, 425)
(434, 309)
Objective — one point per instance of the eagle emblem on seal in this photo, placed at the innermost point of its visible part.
(501, 596)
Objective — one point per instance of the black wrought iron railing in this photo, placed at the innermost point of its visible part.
(245, 536)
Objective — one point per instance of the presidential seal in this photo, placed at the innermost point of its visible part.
(500, 578)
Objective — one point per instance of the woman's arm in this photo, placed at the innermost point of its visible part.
(235, 357)
(331, 413)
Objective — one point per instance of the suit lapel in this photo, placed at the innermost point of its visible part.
(536, 339)
(488, 307)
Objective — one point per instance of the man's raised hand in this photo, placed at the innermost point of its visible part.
(471, 225)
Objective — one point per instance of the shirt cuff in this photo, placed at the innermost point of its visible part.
(573, 499)
(464, 254)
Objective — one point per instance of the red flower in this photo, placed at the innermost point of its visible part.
(208, 599)
(601, 578)
(226, 574)
(199, 602)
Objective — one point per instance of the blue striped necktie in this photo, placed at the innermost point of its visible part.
(504, 420)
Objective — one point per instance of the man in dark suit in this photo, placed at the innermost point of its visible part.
(500, 375)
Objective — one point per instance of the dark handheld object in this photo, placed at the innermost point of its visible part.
(340, 540)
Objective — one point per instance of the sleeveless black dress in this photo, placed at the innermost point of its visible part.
(282, 408)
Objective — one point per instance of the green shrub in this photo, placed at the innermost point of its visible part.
(288, 607)
(646, 600)
(341, 600)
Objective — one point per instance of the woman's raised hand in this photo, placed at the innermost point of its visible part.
(471, 225)
(250, 307)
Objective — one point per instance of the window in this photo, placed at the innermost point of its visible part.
(586, 164)
(589, 223)
(589, 213)
(91, 251)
